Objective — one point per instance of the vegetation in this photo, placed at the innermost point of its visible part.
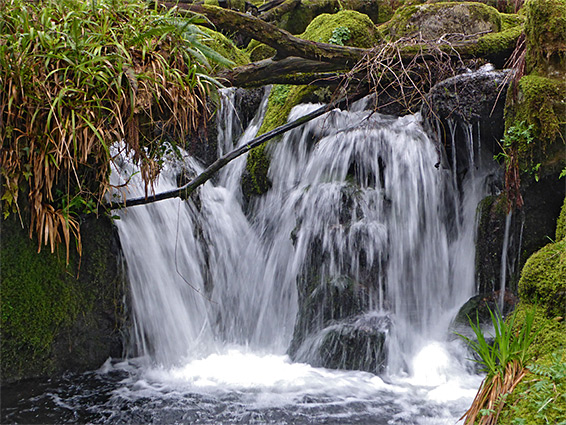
(78, 76)
(504, 361)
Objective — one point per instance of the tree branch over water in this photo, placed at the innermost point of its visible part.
(185, 191)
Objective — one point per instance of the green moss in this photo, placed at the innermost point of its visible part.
(499, 43)
(561, 223)
(281, 100)
(258, 51)
(547, 355)
(363, 32)
(540, 104)
(546, 37)
(225, 47)
(511, 20)
(38, 295)
(299, 17)
(543, 279)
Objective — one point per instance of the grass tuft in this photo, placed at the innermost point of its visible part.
(77, 76)
(503, 360)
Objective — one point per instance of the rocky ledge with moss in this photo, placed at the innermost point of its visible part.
(58, 317)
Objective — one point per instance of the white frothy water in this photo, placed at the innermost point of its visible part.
(355, 195)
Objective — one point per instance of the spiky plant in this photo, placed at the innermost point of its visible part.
(77, 76)
(504, 363)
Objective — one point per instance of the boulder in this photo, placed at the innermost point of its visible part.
(433, 20)
(355, 344)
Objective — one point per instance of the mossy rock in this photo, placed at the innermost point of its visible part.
(432, 21)
(58, 317)
(258, 51)
(299, 17)
(239, 5)
(225, 47)
(360, 31)
(561, 223)
(546, 37)
(540, 105)
(281, 100)
(543, 279)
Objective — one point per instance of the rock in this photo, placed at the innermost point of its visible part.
(203, 144)
(355, 344)
(324, 301)
(58, 318)
(470, 99)
(543, 279)
(359, 30)
(492, 216)
(477, 309)
(433, 20)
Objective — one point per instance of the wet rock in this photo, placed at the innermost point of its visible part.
(478, 308)
(203, 144)
(355, 344)
(472, 101)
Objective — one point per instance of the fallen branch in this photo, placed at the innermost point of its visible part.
(185, 191)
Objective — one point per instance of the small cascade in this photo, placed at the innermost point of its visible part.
(358, 257)
(360, 238)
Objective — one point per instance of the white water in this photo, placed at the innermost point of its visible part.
(214, 291)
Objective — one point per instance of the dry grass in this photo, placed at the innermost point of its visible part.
(403, 71)
(78, 76)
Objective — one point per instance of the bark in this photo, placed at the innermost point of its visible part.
(285, 43)
(291, 70)
(317, 59)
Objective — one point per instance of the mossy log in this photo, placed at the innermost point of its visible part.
(322, 57)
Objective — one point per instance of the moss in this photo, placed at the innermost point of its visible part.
(547, 353)
(258, 51)
(363, 32)
(540, 104)
(39, 296)
(561, 223)
(546, 37)
(57, 317)
(226, 47)
(299, 17)
(498, 44)
(511, 20)
(281, 100)
(543, 279)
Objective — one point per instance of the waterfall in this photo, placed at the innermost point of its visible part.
(360, 229)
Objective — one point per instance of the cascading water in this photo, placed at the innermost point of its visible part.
(357, 207)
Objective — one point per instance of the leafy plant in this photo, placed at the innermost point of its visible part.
(503, 361)
(340, 35)
(78, 76)
(517, 138)
(548, 392)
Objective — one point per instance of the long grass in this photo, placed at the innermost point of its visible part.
(77, 76)
(503, 361)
